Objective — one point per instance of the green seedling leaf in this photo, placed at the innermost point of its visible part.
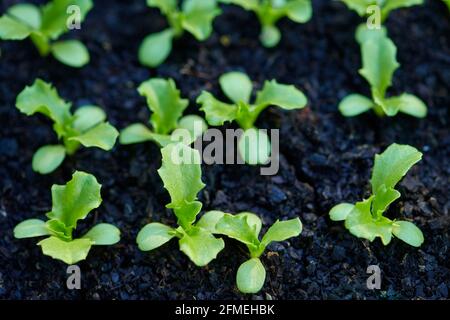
(194, 124)
(154, 235)
(237, 86)
(254, 147)
(270, 36)
(198, 16)
(30, 228)
(71, 52)
(365, 219)
(26, 13)
(69, 252)
(251, 276)
(408, 232)
(390, 166)
(361, 6)
(181, 174)
(284, 96)
(200, 246)
(88, 117)
(12, 29)
(354, 105)
(155, 48)
(74, 201)
(48, 158)
(103, 234)
(341, 211)
(407, 103)
(216, 112)
(209, 220)
(237, 227)
(102, 136)
(282, 230)
(164, 100)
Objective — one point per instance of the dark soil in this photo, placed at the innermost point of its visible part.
(325, 159)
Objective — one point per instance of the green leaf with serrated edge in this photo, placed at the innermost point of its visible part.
(361, 223)
(407, 103)
(181, 174)
(270, 36)
(299, 11)
(251, 276)
(74, 201)
(354, 105)
(194, 124)
(69, 252)
(216, 112)
(164, 100)
(166, 6)
(12, 29)
(59, 229)
(102, 136)
(390, 166)
(55, 16)
(341, 211)
(360, 6)
(383, 198)
(155, 48)
(254, 147)
(47, 158)
(103, 234)
(379, 63)
(253, 221)
(31, 228)
(237, 86)
(200, 246)
(237, 227)
(284, 96)
(209, 220)
(87, 117)
(408, 232)
(198, 16)
(41, 97)
(282, 230)
(154, 235)
(70, 52)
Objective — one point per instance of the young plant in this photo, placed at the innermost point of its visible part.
(269, 12)
(245, 227)
(365, 218)
(167, 106)
(195, 17)
(45, 25)
(71, 202)
(363, 7)
(254, 145)
(85, 127)
(379, 64)
(181, 174)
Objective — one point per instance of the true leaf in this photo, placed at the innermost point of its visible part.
(74, 201)
(284, 96)
(282, 230)
(200, 246)
(216, 112)
(87, 117)
(69, 252)
(102, 136)
(237, 227)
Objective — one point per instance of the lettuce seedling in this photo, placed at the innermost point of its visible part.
(238, 88)
(245, 227)
(181, 174)
(44, 25)
(269, 12)
(365, 218)
(379, 64)
(85, 127)
(71, 202)
(194, 16)
(386, 6)
(167, 106)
